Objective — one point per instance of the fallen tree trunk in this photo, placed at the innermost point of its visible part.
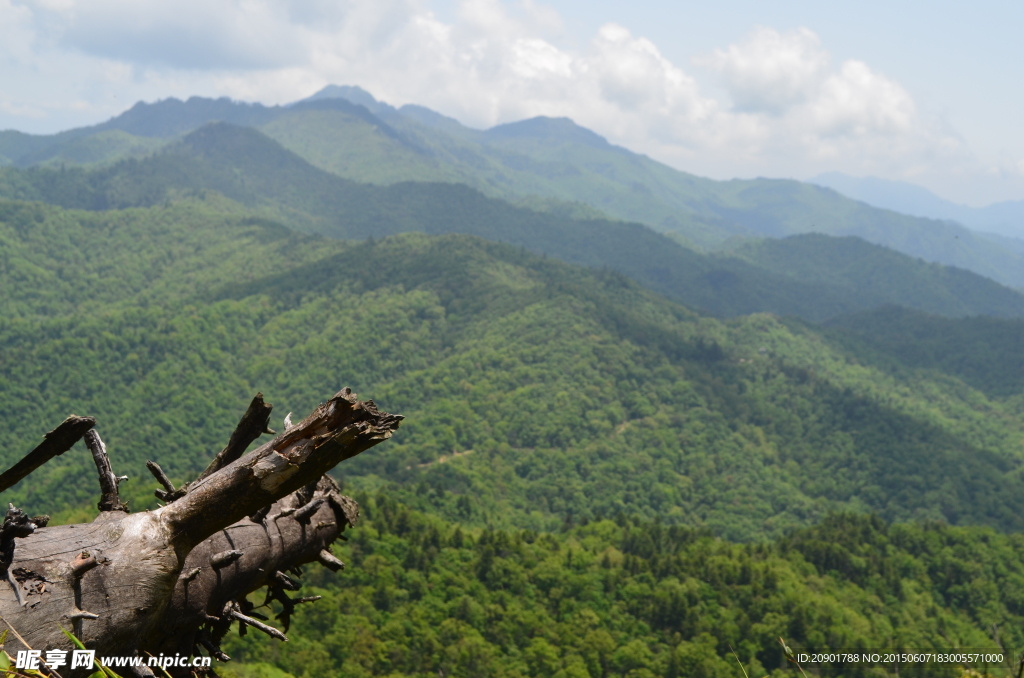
(173, 580)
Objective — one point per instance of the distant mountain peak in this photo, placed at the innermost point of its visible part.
(540, 127)
(543, 127)
(351, 93)
(172, 117)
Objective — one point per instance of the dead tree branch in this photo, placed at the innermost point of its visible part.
(161, 478)
(55, 443)
(110, 500)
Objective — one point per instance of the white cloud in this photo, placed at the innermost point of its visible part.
(633, 74)
(534, 59)
(785, 81)
(857, 102)
(771, 71)
(791, 109)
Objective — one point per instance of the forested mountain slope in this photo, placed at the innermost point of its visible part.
(539, 158)
(986, 353)
(879, 274)
(254, 171)
(535, 391)
(642, 599)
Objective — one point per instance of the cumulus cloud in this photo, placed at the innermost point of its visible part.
(788, 111)
(771, 71)
(788, 100)
(858, 102)
(789, 77)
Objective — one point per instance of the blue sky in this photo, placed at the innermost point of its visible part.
(922, 92)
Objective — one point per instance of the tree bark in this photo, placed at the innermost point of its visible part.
(174, 579)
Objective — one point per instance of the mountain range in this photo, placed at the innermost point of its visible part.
(545, 163)
(812, 276)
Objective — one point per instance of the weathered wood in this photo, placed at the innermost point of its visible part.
(16, 525)
(146, 581)
(266, 628)
(225, 558)
(305, 513)
(161, 478)
(330, 561)
(110, 500)
(55, 443)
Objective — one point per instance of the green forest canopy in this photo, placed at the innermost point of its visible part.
(642, 599)
(599, 449)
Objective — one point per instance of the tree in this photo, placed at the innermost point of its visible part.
(174, 579)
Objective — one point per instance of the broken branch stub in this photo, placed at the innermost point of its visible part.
(161, 478)
(110, 500)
